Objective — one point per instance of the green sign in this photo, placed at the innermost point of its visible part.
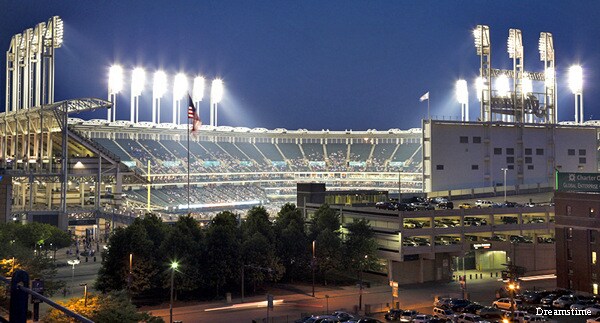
(578, 182)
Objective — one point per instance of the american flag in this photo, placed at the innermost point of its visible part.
(193, 114)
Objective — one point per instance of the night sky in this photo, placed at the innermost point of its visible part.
(309, 64)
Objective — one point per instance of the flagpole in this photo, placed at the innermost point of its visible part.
(188, 166)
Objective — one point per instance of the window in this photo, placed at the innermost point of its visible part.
(592, 236)
(582, 152)
(571, 152)
(595, 288)
(497, 151)
(569, 233)
(474, 167)
(439, 167)
(539, 151)
(530, 167)
(528, 160)
(510, 151)
(593, 257)
(464, 139)
(510, 166)
(510, 160)
(476, 140)
(582, 160)
(528, 151)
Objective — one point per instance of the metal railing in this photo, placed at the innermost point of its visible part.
(19, 294)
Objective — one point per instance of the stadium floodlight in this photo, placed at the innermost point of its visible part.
(549, 76)
(515, 43)
(576, 85)
(138, 77)
(462, 93)
(58, 29)
(216, 95)
(546, 47)
(137, 86)
(115, 79)
(216, 90)
(158, 90)
(479, 85)
(198, 89)
(462, 96)
(576, 79)
(115, 85)
(502, 86)
(481, 35)
(527, 85)
(180, 87)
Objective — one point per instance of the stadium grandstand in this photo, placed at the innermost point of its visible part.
(233, 168)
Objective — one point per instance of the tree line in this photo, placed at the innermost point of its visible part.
(211, 258)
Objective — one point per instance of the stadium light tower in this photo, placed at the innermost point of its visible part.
(216, 95)
(481, 35)
(527, 86)
(115, 85)
(515, 51)
(479, 84)
(198, 90)
(462, 96)
(158, 90)
(576, 85)
(138, 76)
(180, 86)
(546, 48)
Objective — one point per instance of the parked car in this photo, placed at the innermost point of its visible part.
(547, 301)
(594, 310)
(408, 315)
(422, 318)
(468, 318)
(581, 304)
(393, 314)
(505, 303)
(322, 319)
(564, 301)
(472, 308)
(535, 319)
(368, 320)
(443, 313)
(465, 206)
(484, 203)
(490, 313)
(458, 305)
(343, 316)
(596, 320)
(442, 301)
(517, 316)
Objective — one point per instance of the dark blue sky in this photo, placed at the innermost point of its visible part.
(310, 64)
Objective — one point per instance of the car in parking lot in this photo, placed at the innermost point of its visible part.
(422, 318)
(506, 304)
(594, 309)
(468, 318)
(465, 206)
(393, 314)
(343, 316)
(490, 313)
(322, 319)
(368, 320)
(564, 301)
(596, 320)
(581, 304)
(443, 313)
(408, 315)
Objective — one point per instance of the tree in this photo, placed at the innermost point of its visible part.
(257, 221)
(360, 247)
(293, 246)
(113, 307)
(324, 219)
(223, 254)
(324, 230)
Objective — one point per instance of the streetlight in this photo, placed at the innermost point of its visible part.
(216, 95)
(180, 86)
(138, 77)
(73, 262)
(360, 291)
(174, 266)
(576, 85)
(504, 170)
(314, 259)
(462, 96)
(158, 90)
(512, 287)
(115, 85)
(130, 272)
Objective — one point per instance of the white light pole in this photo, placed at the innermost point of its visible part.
(198, 90)
(216, 95)
(174, 266)
(576, 85)
(504, 170)
(462, 96)
(73, 262)
(138, 77)
(158, 90)
(115, 85)
(179, 88)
